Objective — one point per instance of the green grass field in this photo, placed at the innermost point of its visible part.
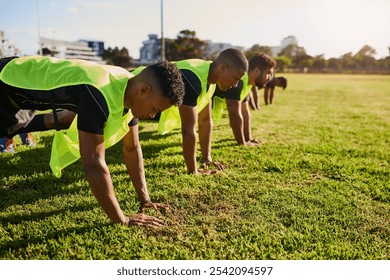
(317, 188)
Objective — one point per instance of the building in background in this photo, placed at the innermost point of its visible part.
(6, 47)
(82, 49)
(96, 46)
(213, 49)
(290, 40)
(150, 52)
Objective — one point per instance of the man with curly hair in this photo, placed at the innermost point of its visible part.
(99, 95)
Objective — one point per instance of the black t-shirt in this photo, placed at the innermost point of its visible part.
(232, 93)
(85, 100)
(192, 87)
(271, 84)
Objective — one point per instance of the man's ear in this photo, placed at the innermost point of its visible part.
(143, 88)
(257, 71)
(223, 67)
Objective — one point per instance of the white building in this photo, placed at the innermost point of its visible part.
(213, 49)
(290, 40)
(150, 52)
(70, 50)
(6, 47)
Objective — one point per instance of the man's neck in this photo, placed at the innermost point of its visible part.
(128, 94)
(212, 77)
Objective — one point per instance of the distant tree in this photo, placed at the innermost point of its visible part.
(364, 58)
(299, 57)
(366, 50)
(283, 62)
(186, 45)
(48, 52)
(347, 61)
(319, 62)
(334, 64)
(384, 64)
(303, 61)
(256, 49)
(292, 51)
(117, 57)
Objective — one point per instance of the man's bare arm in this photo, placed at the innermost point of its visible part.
(205, 126)
(92, 152)
(236, 120)
(134, 161)
(254, 97)
(189, 117)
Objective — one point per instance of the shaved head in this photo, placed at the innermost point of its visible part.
(233, 58)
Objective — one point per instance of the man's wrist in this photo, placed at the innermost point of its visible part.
(145, 201)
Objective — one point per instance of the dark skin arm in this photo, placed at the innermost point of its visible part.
(240, 122)
(98, 176)
(271, 95)
(205, 126)
(236, 120)
(246, 115)
(254, 98)
(266, 90)
(133, 158)
(189, 117)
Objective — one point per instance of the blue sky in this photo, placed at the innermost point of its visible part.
(329, 27)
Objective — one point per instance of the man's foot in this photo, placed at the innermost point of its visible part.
(7, 145)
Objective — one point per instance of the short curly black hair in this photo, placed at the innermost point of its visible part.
(168, 79)
(261, 61)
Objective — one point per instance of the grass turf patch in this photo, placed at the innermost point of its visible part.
(317, 188)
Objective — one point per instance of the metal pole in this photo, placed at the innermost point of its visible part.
(39, 30)
(162, 31)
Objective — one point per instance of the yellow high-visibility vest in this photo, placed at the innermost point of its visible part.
(219, 103)
(47, 73)
(170, 118)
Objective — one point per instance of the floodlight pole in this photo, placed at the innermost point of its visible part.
(162, 31)
(39, 29)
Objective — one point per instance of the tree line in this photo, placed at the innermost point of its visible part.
(292, 58)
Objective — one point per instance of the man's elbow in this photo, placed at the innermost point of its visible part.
(93, 167)
(131, 149)
(188, 130)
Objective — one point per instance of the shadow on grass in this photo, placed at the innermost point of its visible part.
(36, 217)
(223, 143)
(149, 149)
(55, 234)
(28, 190)
(26, 176)
(27, 161)
(160, 142)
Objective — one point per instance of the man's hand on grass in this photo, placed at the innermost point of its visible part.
(144, 220)
(156, 206)
(253, 143)
(219, 165)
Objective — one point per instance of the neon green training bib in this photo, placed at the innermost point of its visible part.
(219, 103)
(47, 73)
(170, 118)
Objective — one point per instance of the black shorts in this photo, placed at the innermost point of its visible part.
(11, 117)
